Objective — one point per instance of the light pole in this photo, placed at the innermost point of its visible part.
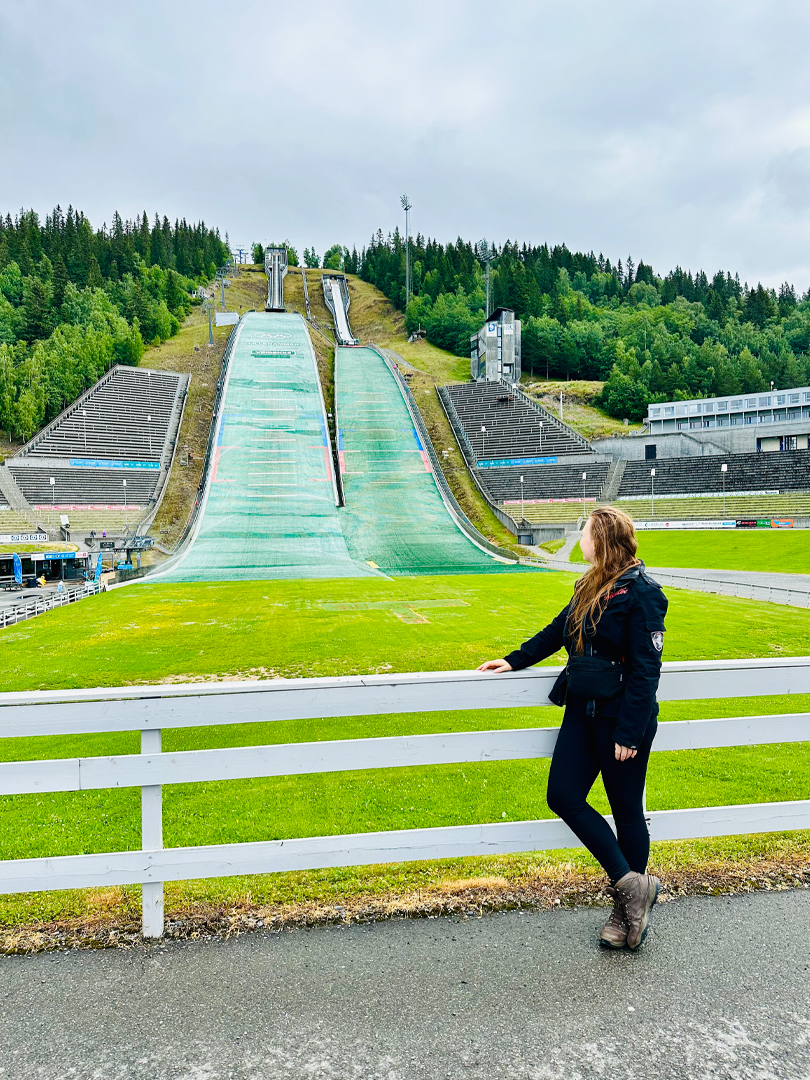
(483, 442)
(209, 305)
(561, 405)
(486, 254)
(406, 206)
(652, 492)
(125, 505)
(53, 500)
(724, 470)
(522, 511)
(540, 443)
(584, 478)
(149, 422)
(84, 418)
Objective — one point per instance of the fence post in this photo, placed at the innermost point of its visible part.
(152, 840)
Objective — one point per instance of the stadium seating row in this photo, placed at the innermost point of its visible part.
(127, 414)
(84, 487)
(780, 471)
(515, 425)
(544, 481)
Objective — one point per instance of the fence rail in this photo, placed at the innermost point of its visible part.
(151, 709)
(40, 604)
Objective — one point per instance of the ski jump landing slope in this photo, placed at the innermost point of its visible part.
(270, 504)
(394, 517)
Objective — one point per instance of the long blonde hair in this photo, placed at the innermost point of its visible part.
(614, 553)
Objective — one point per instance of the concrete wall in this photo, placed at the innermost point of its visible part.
(736, 440)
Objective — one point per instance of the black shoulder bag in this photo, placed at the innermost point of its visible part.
(588, 676)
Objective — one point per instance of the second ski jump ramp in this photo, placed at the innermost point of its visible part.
(394, 517)
(270, 505)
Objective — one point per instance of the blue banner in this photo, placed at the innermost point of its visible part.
(98, 568)
(18, 569)
(107, 463)
(504, 462)
(60, 555)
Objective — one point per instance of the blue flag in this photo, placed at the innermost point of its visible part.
(98, 569)
(18, 569)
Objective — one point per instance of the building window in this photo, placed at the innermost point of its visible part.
(722, 406)
(751, 403)
(764, 401)
(806, 396)
(737, 404)
(655, 412)
(780, 399)
(708, 407)
(794, 399)
(669, 410)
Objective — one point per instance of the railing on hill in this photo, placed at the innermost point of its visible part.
(38, 605)
(468, 454)
(153, 708)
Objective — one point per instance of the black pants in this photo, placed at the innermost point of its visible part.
(585, 747)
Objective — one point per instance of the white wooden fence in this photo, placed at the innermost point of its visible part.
(150, 709)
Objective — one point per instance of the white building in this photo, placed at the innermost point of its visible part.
(789, 409)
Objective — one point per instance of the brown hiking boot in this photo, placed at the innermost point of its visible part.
(638, 893)
(614, 932)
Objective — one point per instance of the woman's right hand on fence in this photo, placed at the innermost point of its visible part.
(495, 665)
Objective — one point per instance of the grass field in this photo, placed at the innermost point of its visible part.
(152, 633)
(782, 551)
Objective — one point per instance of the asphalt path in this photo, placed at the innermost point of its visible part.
(721, 988)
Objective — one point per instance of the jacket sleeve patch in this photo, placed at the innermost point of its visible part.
(658, 639)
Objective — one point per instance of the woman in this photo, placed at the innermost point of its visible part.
(613, 631)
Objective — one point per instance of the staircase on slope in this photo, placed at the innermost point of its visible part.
(610, 488)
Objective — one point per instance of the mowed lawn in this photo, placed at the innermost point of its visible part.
(179, 632)
(785, 551)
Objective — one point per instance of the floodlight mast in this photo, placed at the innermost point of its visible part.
(406, 206)
(486, 255)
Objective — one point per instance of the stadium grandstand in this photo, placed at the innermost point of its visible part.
(103, 462)
(504, 436)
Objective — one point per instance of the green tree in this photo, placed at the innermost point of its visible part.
(333, 259)
(258, 253)
(311, 260)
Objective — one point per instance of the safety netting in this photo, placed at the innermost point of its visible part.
(394, 517)
(270, 505)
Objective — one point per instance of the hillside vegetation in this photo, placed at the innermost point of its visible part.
(650, 337)
(74, 301)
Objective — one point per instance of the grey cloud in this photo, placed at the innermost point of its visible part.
(676, 134)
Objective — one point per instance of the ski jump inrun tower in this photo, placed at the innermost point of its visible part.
(275, 266)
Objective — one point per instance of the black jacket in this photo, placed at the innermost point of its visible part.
(631, 630)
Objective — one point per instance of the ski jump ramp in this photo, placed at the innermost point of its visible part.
(269, 509)
(336, 295)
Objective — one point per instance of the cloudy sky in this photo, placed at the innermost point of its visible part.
(678, 133)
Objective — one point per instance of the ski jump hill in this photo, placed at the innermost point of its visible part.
(273, 505)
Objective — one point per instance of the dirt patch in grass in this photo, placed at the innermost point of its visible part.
(113, 915)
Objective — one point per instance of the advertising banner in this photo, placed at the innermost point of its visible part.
(684, 524)
(18, 569)
(98, 568)
(502, 463)
(108, 463)
(24, 538)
